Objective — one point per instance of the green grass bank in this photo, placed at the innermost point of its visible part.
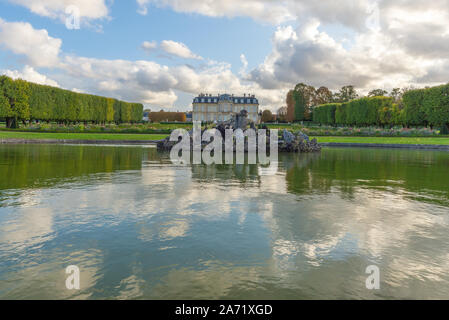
(79, 136)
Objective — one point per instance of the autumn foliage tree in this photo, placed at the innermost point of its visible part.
(267, 116)
(290, 107)
(302, 100)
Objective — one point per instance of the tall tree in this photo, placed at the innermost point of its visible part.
(290, 107)
(267, 116)
(377, 93)
(396, 94)
(346, 94)
(323, 96)
(300, 105)
(305, 99)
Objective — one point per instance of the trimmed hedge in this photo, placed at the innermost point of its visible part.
(360, 112)
(21, 100)
(421, 107)
(325, 114)
(427, 106)
(414, 114)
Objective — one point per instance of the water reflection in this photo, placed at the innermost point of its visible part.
(141, 227)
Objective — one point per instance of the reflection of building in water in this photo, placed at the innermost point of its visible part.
(208, 108)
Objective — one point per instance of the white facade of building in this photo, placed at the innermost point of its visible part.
(208, 108)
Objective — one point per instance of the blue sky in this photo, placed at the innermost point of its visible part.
(223, 39)
(262, 47)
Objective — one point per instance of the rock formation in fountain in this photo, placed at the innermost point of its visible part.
(288, 142)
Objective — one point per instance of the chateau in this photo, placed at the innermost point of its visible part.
(208, 108)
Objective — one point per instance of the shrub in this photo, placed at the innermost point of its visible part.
(360, 112)
(31, 101)
(427, 106)
(325, 114)
(340, 114)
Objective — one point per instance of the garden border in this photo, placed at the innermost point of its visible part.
(384, 145)
(64, 141)
(154, 142)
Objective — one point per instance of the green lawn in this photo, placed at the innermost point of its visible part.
(79, 136)
(386, 140)
(123, 136)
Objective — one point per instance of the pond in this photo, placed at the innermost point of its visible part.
(139, 227)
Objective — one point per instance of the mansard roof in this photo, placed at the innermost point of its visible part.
(226, 97)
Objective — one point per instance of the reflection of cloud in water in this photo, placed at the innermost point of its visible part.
(130, 287)
(175, 229)
(45, 278)
(89, 262)
(214, 280)
(387, 229)
(27, 227)
(315, 233)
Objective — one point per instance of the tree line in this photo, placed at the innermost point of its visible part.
(367, 111)
(407, 107)
(303, 98)
(25, 101)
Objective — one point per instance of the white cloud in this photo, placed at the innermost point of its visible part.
(89, 9)
(143, 10)
(348, 12)
(149, 46)
(178, 49)
(393, 43)
(262, 10)
(390, 44)
(155, 84)
(29, 74)
(244, 65)
(409, 47)
(37, 46)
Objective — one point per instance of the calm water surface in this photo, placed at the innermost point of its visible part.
(139, 227)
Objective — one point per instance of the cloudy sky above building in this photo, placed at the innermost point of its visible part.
(163, 52)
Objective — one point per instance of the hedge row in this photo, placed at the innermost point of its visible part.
(360, 112)
(422, 107)
(325, 114)
(427, 106)
(21, 100)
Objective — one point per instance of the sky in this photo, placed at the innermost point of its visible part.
(162, 53)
